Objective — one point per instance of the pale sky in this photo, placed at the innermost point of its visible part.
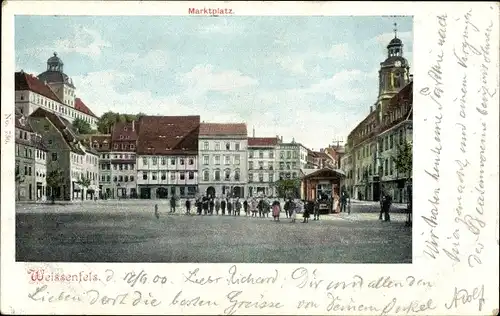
(308, 78)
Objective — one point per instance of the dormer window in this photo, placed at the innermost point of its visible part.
(121, 136)
(125, 129)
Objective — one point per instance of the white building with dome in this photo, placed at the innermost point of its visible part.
(52, 90)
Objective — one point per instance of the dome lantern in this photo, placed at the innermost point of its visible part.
(55, 63)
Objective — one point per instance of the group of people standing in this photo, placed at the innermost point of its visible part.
(257, 207)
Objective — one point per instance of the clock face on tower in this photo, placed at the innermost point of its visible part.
(397, 63)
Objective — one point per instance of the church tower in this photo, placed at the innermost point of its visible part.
(394, 73)
(59, 82)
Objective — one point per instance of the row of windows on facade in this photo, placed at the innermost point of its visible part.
(121, 166)
(217, 158)
(270, 155)
(206, 146)
(163, 161)
(79, 159)
(388, 168)
(28, 171)
(270, 176)
(115, 146)
(385, 143)
(92, 176)
(117, 178)
(217, 175)
(163, 175)
(282, 166)
(117, 156)
(28, 153)
(58, 107)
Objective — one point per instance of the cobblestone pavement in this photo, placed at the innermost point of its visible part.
(123, 232)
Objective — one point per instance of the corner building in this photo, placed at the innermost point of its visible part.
(371, 145)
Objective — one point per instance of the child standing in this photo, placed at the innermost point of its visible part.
(157, 214)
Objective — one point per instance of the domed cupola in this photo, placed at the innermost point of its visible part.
(55, 63)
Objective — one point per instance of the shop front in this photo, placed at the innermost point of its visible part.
(323, 185)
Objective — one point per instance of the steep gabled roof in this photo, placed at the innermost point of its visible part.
(127, 130)
(168, 135)
(63, 127)
(24, 81)
(80, 106)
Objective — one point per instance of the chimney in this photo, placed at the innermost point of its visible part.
(253, 132)
(371, 108)
(281, 139)
(133, 125)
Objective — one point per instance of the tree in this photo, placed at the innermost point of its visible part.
(82, 126)
(108, 119)
(404, 165)
(54, 180)
(84, 182)
(287, 187)
(404, 159)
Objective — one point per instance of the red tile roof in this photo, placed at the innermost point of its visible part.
(101, 143)
(24, 81)
(223, 129)
(128, 131)
(168, 135)
(262, 141)
(80, 106)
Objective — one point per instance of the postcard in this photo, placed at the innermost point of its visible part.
(250, 158)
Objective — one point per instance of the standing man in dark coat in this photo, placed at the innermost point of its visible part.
(287, 208)
(223, 206)
(188, 206)
(315, 207)
(205, 205)
(237, 207)
(211, 205)
(387, 207)
(382, 199)
(343, 201)
(172, 204)
(199, 206)
(245, 207)
(229, 207)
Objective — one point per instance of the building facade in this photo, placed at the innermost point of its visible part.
(67, 154)
(102, 145)
(30, 162)
(223, 159)
(52, 90)
(262, 166)
(368, 156)
(292, 157)
(123, 160)
(167, 156)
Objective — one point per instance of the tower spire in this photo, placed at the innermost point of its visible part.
(395, 30)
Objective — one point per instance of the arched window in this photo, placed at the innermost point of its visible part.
(227, 175)
(237, 175)
(206, 175)
(217, 175)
